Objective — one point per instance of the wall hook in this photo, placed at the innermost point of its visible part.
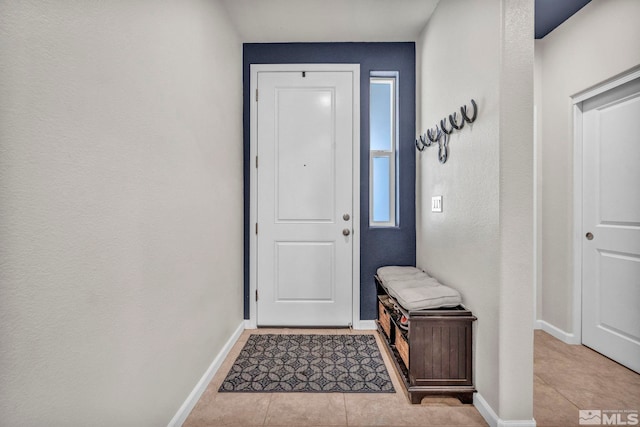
(443, 126)
(434, 135)
(423, 142)
(442, 131)
(443, 149)
(454, 121)
(463, 110)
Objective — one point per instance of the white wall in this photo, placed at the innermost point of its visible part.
(120, 207)
(482, 242)
(537, 99)
(599, 42)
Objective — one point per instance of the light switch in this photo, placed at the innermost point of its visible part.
(436, 204)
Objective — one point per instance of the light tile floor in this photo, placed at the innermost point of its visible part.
(567, 378)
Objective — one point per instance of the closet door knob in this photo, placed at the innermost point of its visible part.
(589, 236)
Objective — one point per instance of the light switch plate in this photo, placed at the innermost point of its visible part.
(436, 204)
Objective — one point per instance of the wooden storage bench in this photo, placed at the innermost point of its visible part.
(384, 316)
(434, 357)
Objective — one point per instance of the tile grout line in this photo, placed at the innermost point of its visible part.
(541, 379)
(346, 414)
(565, 397)
(266, 413)
(556, 390)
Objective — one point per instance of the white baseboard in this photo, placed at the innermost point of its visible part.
(558, 333)
(517, 423)
(365, 325)
(250, 324)
(184, 411)
(485, 410)
(492, 418)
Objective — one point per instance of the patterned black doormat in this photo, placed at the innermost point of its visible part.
(309, 363)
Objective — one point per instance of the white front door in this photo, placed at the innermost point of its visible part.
(611, 224)
(305, 198)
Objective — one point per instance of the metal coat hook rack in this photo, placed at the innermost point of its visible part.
(440, 134)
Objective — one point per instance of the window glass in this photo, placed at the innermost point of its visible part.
(383, 119)
(381, 115)
(381, 187)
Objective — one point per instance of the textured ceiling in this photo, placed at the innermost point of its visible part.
(273, 21)
(263, 21)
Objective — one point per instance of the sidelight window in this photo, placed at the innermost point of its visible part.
(383, 119)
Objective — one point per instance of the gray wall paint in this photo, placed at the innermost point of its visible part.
(599, 42)
(120, 207)
(482, 242)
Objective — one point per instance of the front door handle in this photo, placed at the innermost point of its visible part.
(346, 232)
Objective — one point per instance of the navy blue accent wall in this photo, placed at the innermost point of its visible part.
(378, 246)
(551, 13)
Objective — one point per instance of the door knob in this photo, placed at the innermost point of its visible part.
(346, 232)
(346, 217)
(589, 236)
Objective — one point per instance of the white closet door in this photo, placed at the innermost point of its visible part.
(611, 224)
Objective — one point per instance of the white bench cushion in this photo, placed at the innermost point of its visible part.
(392, 273)
(414, 289)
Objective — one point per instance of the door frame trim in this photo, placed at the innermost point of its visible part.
(577, 101)
(253, 186)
